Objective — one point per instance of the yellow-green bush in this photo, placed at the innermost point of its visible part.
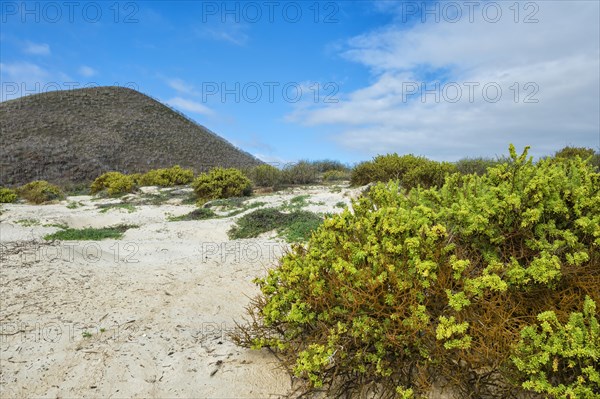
(265, 176)
(562, 360)
(435, 285)
(7, 195)
(221, 183)
(40, 191)
(167, 177)
(411, 171)
(115, 183)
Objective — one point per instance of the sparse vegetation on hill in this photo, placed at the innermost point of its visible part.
(77, 135)
(478, 284)
(39, 192)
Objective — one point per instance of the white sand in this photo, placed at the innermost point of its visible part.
(158, 303)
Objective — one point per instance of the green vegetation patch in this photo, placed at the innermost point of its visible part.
(196, 214)
(295, 226)
(124, 205)
(90, 233)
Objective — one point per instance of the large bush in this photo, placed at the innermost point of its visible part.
(221, 183)
(174, 176)
(265, 176)
(409, 170)
(435, 286)
(7, 195)
(40, 191)
(302, 172)
(115, 183)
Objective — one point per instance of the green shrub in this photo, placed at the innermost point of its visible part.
(572, 152)
(174, 176)
(478, 166)
(295, 226)
(7, 195)
(89, 233)
(221, 183)
(115, 183)
(196, 214)
(265, 176)
(302, 172)
(411, 171)
(562, 360)
(584, 153)
(435, 285)
(336, 175)
(40, 191)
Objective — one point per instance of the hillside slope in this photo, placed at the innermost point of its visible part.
(73, 136)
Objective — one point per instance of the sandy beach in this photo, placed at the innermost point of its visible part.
(147, 315)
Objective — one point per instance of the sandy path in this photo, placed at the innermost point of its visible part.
(144, 316)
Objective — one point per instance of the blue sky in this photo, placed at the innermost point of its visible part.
(440, 79)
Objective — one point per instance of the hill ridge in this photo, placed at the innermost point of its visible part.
(73, 136)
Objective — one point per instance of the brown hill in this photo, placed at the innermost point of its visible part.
(74, 136)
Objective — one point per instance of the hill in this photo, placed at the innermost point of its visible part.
(74, 136)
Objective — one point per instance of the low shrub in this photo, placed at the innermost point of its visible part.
(439, 285)
(7, 195)
(174, 176)
(40, 191)
(265, 176)
(411, 171)
(302, 172)
(221, 183)
(115, 183)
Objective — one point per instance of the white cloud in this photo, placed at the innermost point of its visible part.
(87, 71)
(234, 33)
(36, 48)
(181, 87)
(559, 56)
(190, 106)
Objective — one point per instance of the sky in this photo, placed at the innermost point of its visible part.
(345, 80)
